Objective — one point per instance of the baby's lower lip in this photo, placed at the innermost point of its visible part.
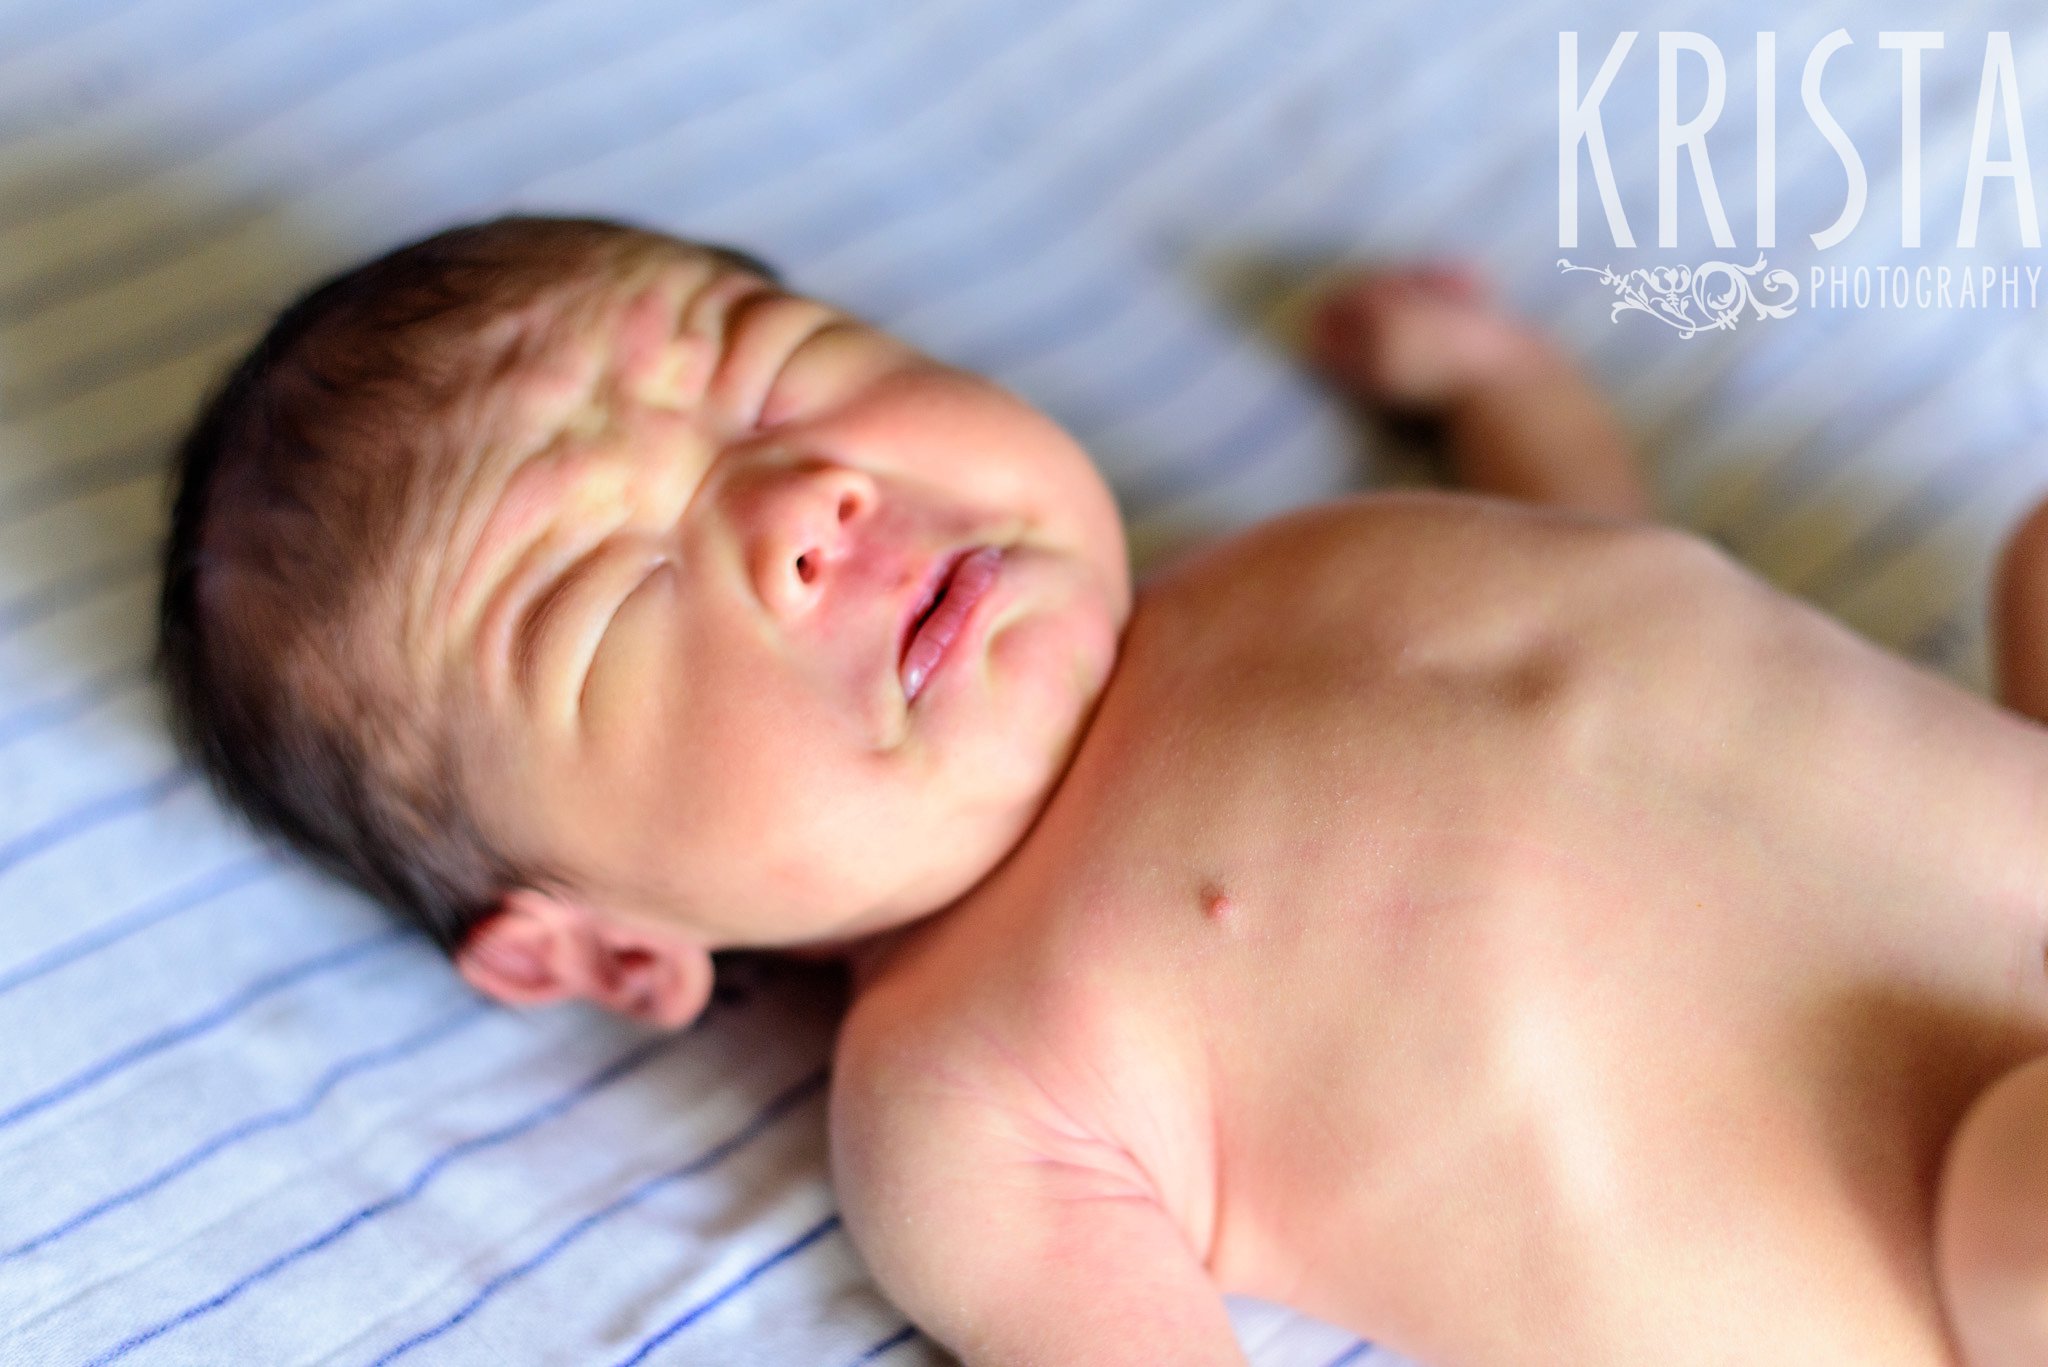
(930, 644)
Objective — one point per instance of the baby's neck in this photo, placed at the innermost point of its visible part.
(863, 956)
(866, 957)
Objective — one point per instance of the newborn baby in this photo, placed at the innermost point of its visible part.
(1499, 925)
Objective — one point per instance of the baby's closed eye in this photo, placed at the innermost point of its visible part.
(836, 359)
(623, 647)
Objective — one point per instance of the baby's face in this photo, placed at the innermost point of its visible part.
(773, 627)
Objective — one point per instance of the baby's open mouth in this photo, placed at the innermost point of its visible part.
(939, 617)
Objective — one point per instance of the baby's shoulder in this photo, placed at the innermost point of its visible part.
(937, 1082)
(1440, 535)
(938, 1094)
(939, 1029)
(1403, 567)
(990, 1201)
(973, 1036)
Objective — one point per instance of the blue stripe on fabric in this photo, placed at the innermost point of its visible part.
(870, 213)
(1937, 494)
(1266, 425)
(38, 839)
(734, 1287)
(74, 479)
(26, 720)
(337, 1074)
(84, 275)
(1151, 378)
(151, 348)
(886, 1346)
(93, 369)
(43, 291)
(753, 1129)
(214, 883)
(15, 45)
(693, 99)
(740, 169)
(173, 49)
(928, 275)
(1777, 492)
(74, 592)
(1158, 490)
(1062, 222)
(73, 185)
(1782, 490)
(47, 600)
(95, 472)
(1807, 462)
(911, 87)
(46, 288)
(1350, 1355)
(109, 364)
(200, 1024)
(627, 1063)
(1794, 481)
(1178, 480)
(1093, 312)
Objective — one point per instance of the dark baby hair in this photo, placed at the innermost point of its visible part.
(292, 494)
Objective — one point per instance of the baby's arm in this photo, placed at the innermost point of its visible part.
(1516, 416)
(1010, 1241)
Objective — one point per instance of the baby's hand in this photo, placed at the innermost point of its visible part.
(1415, 341)
(1515, 416)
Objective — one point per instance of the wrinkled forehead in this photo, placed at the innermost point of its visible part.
(537, 375)
(535, 370)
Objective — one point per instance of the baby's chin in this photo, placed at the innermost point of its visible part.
(1051, 670)
(943, 865)
(1049, 706)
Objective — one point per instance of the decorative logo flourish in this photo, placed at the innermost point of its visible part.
(1719, 291)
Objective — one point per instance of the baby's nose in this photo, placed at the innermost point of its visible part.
(805, 523)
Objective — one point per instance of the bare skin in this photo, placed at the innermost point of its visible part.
(1509, 930)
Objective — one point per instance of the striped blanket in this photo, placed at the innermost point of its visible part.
(243, 1119)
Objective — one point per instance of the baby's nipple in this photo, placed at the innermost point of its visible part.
(1216, 904)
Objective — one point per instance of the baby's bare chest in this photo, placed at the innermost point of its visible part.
(1538, 791)
(1531, 937)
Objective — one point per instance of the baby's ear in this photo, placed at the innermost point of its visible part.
(538, 948)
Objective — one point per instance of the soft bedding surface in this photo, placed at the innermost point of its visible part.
(243, 1119)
